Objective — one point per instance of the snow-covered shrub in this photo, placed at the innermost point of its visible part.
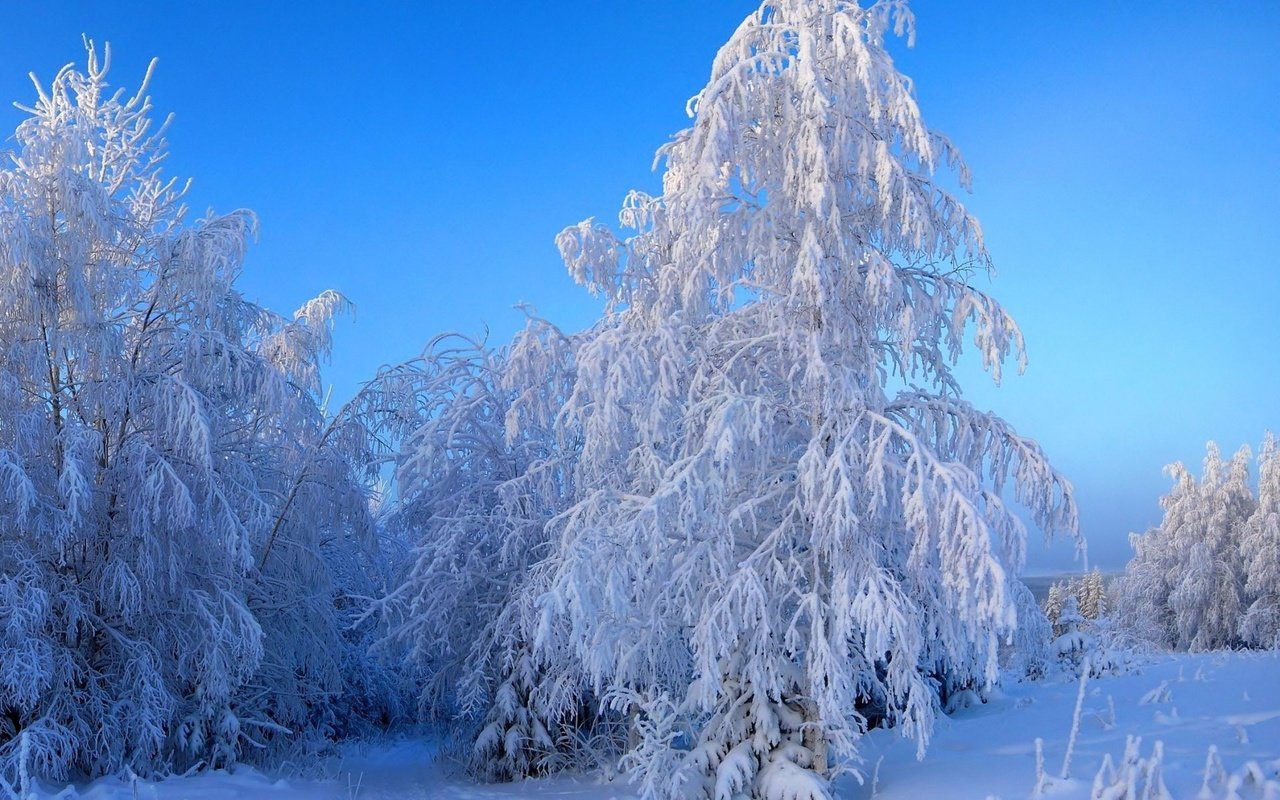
(1079, 611)
(1106, 648)
(1135, 778)
(765, 529)
(176, 532)
(1115, 650)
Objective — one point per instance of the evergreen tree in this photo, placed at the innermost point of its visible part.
(1058, 593)
(1092, 595)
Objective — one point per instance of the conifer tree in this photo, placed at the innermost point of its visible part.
(1092, 595)
(1058, 593)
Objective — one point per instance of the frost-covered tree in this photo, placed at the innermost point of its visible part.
(1143, 592)
(1089, 590)
(1260, 551)
(787, 523)
(1027, 651)
(1184, 588)
(1092, 595)
(479, 473)
(1206, 600)
(1072, 644)
(1058, 593)
(175, 529)
(1081, 617)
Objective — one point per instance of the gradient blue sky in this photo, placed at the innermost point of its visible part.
(421, 157)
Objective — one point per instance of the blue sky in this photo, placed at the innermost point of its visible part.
(421, 157)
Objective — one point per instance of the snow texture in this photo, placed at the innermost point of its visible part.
(1226, 739)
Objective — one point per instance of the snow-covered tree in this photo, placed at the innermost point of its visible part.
(1092, 595)
(1206, 600)
(479, 474)
(785, 516)
(1089, 590)
(1185, 586)
(1027, 651)
(174, 528)
(1260, 551)
(1058, 593)
(1072, 644)
(1143, 592)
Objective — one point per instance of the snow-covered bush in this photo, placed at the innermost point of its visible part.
(767, 533)
(1079, 613)
(1135, 778)
(176, 531)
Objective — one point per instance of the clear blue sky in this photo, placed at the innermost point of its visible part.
(420, 158)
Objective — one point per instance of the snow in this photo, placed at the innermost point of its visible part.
(1188, 702)
(1184, 702)
(391, 770)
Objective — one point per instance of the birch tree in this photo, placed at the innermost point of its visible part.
(1260, 550)
(1206, 599)
(785, 514)
(1185, 586)
(479, 472)
(175, 532)
(1153, 572)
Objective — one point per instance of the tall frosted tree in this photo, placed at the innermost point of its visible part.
(1206, 598)
(175, 528)
(787, 523)
(1260, 551)
(1153, 572)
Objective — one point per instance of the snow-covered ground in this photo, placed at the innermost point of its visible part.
(1186, 703)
